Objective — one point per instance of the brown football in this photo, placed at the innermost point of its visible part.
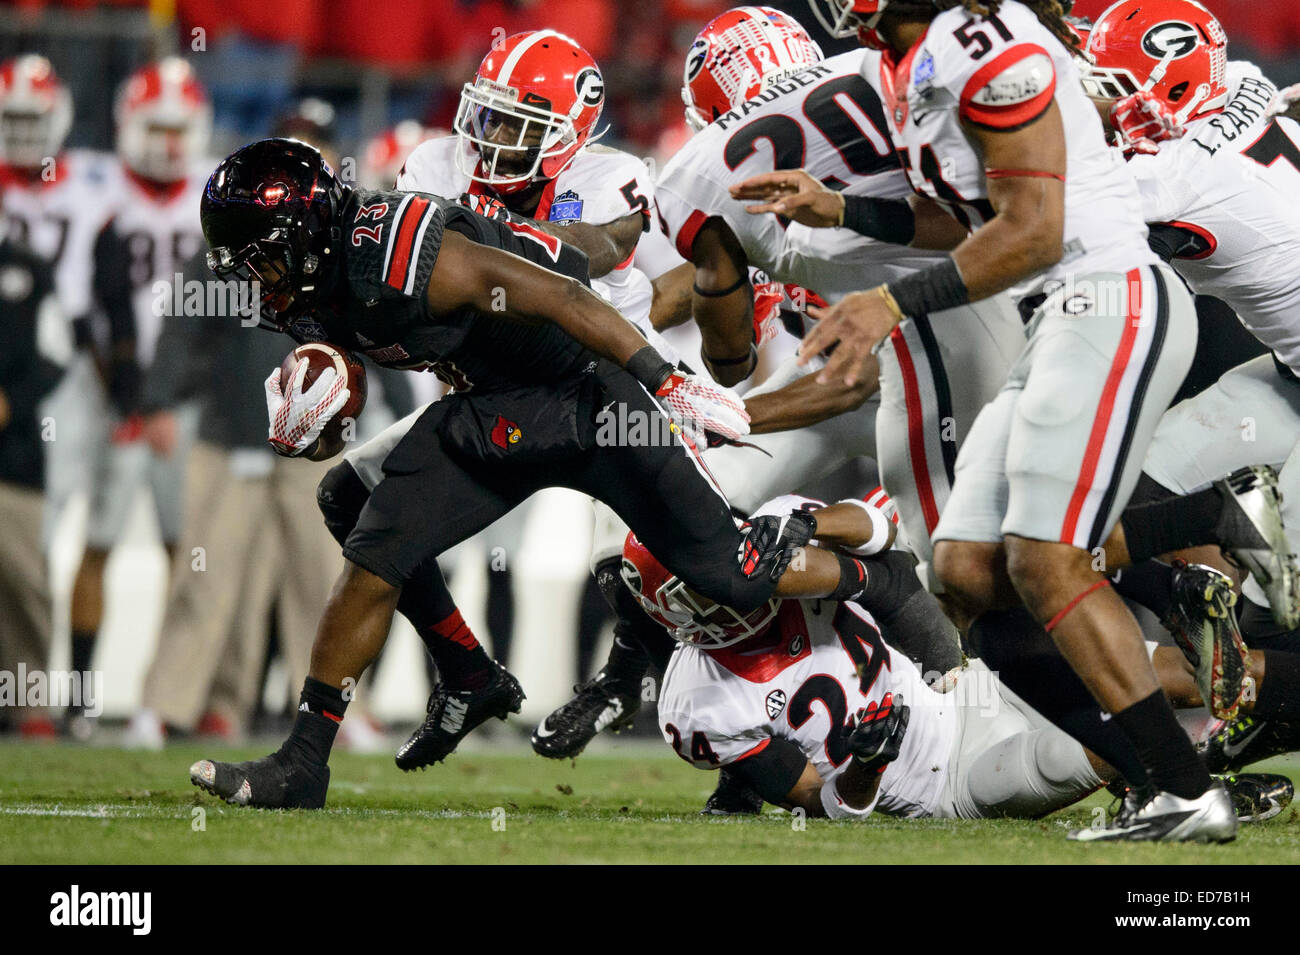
(322, 355)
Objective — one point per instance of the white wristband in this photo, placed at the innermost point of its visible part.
(837, 808)
(880, 529)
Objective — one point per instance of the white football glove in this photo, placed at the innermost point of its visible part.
(697, 406)
(298, 418)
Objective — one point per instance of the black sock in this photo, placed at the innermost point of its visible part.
(1186, 521)
(1016, 647)
(461, 659)
(83, 649)
(627, 664)
(638, 640)
(1162, 744)
(1150, 583)
(320, 711)
(1279, 693)
(909, 615)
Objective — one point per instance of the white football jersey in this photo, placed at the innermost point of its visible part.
(598, 187)
(60, 219)
(162, 232)
(1002, 72)
(1233, 180)
(819, 665)
(826, 120)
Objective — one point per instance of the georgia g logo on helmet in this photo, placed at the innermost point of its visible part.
(699, 52)
(1173, 38)
(590, 87)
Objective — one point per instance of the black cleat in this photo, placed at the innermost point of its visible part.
(1258, 796)
(1241, 742)
(1203, 625)
(598, 705)
(1250, 531)
(452, 714)
(1153, 816)
(733, 797)
(272, 782)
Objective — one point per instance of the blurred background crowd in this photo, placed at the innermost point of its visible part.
(146, 531)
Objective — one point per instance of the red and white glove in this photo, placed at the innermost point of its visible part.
(484, 205)
(298, 417)
(768, 297)
(1142, 121)
(697, 406)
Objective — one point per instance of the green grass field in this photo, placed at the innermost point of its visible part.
(629, 803)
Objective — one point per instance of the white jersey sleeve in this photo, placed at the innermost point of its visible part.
(432, 167)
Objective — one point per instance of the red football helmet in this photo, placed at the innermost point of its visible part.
(1174, 49)
(164, 120)
(738, 55)
(845, 18)
(688, 616)
(35, 112)
(533, 104)
(386, 153)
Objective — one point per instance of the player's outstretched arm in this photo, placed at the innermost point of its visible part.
(607, 246)
(806, 402)
(495, 282)
(467, 274)
(796, 195)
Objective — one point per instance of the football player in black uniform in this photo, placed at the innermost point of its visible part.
(502, 309)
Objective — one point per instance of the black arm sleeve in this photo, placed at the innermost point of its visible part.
(889, 220)
(1173, 242)
(773, 770)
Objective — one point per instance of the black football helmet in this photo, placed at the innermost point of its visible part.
(271, 211)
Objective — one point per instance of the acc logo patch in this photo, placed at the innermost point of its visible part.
(1173, 38)
(775, 703)
(506, 433)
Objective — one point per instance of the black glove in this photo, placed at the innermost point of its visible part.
(878, 738)
(772, 540)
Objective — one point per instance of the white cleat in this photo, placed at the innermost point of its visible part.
(1156, 816)
(1250, 530)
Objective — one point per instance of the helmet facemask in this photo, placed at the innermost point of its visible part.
(692, 618)
(517, 143)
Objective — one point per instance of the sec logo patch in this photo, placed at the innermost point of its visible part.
(775, 703)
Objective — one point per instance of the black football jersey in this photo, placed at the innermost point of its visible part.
(390, 244)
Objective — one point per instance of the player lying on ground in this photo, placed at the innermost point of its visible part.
(806, 702)
(416, 281)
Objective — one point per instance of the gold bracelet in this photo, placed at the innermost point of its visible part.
(888, 296)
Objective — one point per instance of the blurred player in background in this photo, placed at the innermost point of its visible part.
(56, 201)
(164, 122)
(34, 345)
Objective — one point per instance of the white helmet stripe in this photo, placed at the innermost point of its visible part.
(773, 36)
(513, 59)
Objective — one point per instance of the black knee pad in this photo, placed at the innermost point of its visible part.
(340, 496)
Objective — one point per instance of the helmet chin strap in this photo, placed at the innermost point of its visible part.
(1200, 96)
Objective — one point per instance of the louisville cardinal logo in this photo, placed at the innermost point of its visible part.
(505, 433)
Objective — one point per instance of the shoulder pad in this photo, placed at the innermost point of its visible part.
(1013, 90)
